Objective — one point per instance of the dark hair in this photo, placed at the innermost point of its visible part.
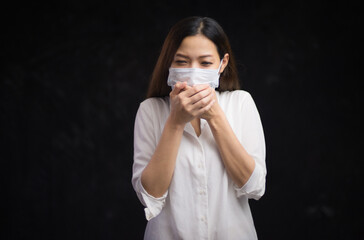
(192, 26)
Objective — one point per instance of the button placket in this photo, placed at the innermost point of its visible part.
(202, 190)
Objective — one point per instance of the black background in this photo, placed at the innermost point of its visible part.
(73, 75)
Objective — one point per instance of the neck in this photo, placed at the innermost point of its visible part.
(196, 125)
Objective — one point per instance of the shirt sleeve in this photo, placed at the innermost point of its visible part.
(145, 142)
(251, 136)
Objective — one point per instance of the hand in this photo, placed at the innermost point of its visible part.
(188, 102)
(214, 110)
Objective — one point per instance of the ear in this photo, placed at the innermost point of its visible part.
(225, 62)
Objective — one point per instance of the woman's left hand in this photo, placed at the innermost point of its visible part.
(215, 109)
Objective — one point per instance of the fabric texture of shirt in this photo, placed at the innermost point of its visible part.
(202, 201)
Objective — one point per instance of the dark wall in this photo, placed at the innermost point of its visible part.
(74, 74)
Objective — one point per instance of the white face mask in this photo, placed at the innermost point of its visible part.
(194, 76)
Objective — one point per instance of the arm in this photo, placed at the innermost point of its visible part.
(238, 163)
(243, 154)
(157, 175)
(186, 104)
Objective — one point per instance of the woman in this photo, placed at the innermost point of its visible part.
(199, 153)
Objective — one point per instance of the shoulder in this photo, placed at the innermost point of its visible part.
(240, 109)
(154, 108)
(154, 103)
(235, 98)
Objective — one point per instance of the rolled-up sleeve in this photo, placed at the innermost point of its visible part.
(251, 136)
(255, 186)
(145, 142)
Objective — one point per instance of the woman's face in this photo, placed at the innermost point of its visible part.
(198, 52)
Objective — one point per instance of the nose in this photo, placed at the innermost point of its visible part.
(194, 64)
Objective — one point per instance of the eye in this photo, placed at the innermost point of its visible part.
(181, 62)
(206, 64)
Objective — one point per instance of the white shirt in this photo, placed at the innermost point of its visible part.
(202, 201)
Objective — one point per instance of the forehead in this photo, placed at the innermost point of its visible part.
(197, 45)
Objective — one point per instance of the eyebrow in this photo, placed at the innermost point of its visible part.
(181, 55)
(184, 56)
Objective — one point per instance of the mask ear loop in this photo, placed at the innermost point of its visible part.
(218, 70)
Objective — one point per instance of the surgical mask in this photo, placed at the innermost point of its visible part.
(194, 76)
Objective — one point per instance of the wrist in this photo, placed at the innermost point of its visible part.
(217, 119)
(174, 125)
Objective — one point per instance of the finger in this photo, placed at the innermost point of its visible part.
(206, 108)
(196, 107)
(191, 91)
(201, 95)
(200, 87)
(178, 87)
(209, 105)
(190, 97)
(203, 102)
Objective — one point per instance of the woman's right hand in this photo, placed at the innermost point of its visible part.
(189, 102)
